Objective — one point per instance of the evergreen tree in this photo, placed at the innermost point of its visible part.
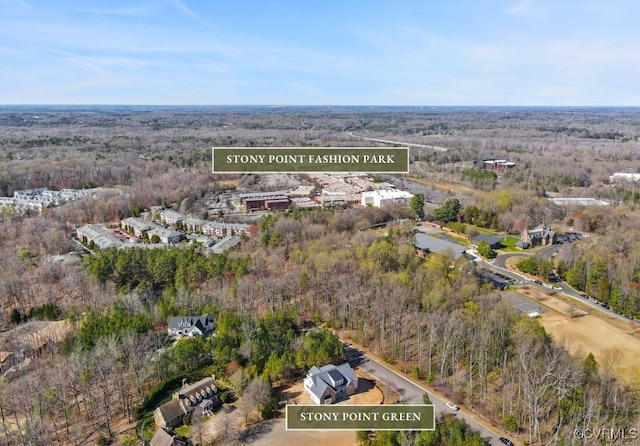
(449, 211)
(416, 206)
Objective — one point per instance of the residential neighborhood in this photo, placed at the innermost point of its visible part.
(40, 198)
(160, 227)
(168, 304)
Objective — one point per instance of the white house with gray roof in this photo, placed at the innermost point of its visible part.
(192, 325)
(329, 384)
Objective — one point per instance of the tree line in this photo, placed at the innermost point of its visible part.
(422, 315)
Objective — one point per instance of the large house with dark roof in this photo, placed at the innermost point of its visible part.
(329, 384)
(494, 241)
(202, 396)
(192, 325)
(539, 236)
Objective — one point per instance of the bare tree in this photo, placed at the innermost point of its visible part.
(255, 395)
(197, 427)
(227, 432)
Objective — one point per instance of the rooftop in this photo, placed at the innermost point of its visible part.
(578, 202)
(438, 246)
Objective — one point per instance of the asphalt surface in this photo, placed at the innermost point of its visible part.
(523, 304)
(411, 393)
(546, 253)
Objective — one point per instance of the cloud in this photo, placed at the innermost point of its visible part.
(188, 12)
(14, 7)
(124, 11)
(530, 8)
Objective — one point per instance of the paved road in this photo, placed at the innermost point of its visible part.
(386, 141)
(548, 252)
(498, 266)
(501, 260)
(411, 393)
(545, 253)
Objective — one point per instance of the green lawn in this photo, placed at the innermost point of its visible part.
(483, 230)
(149, 427)
(182, 430)
(509, 243)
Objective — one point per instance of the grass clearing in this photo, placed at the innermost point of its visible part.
(610, 342)
(509, 243)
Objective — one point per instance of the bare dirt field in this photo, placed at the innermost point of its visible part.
(607, 340)
(557, 304)
(583, 330)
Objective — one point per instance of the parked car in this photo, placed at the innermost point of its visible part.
(453, 406)
(506, 441)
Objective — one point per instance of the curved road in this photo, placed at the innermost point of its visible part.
(411, 393)
(546, 253)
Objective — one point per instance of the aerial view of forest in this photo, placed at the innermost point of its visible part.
(90, 283)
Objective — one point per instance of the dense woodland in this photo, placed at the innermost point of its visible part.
(308, 269)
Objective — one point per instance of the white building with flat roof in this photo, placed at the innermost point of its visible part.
(385, 197)
(578, 202)
(621, 176)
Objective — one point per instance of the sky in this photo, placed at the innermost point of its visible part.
(321, 52)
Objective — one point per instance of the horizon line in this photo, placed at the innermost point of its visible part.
(314, 105)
